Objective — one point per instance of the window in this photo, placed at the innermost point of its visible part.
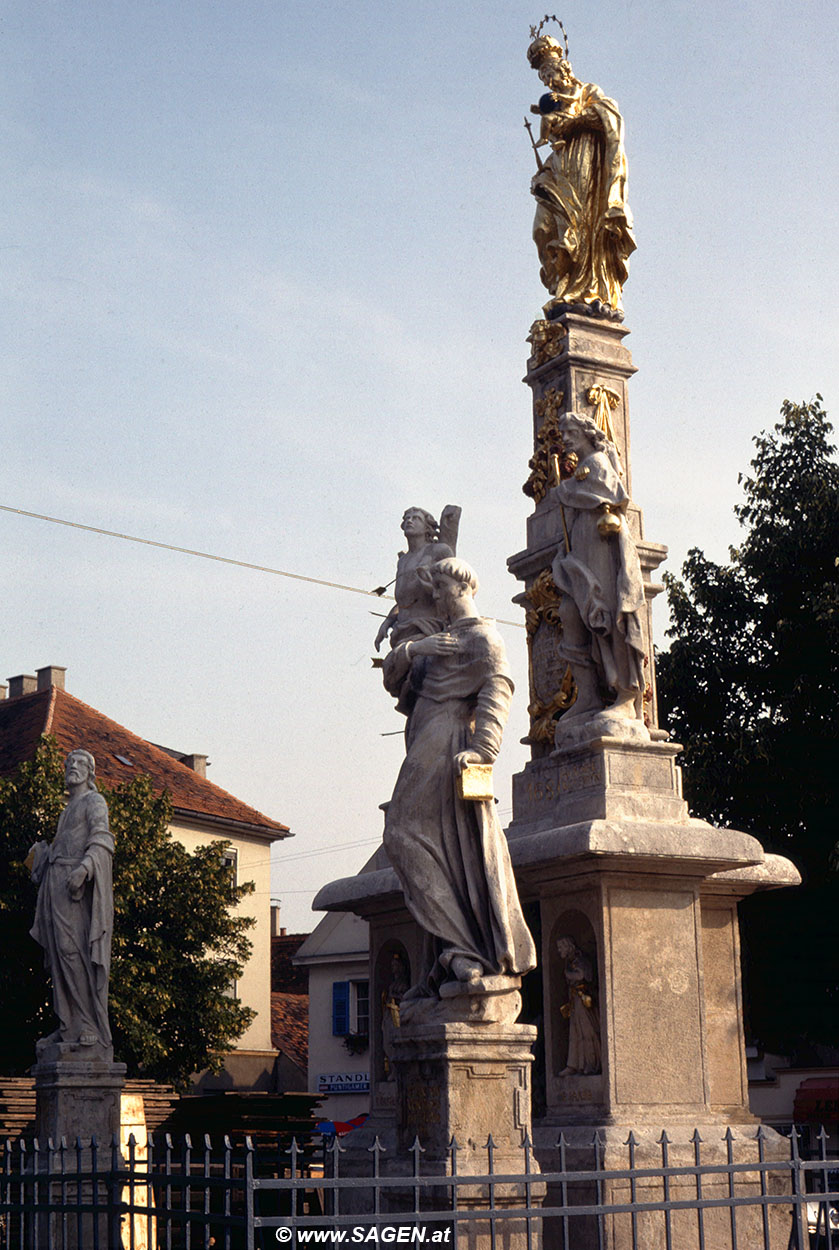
(350, 1008)
(340, 1008)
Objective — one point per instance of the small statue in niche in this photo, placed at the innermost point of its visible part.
(598, 571)
(580, 1011)
(400, 981)
(74, 914)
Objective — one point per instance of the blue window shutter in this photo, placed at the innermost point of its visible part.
(340, 1008)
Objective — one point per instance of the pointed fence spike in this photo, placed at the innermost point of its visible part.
(729, 1136)
(794, 1137)
(167, 1138)
(527, 1144)
(664, 1140)
(78, 1144)
(226, 1142)
(696, 1139)
(248, 1143)
(562, 1141)
(490, 1143)
(761, 1134)
(377, 1146)
(631, 1140)
(51, 1143)
(416, 1147)
(187, 1141)
(452, 1143)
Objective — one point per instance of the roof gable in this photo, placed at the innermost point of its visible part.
(23, 721)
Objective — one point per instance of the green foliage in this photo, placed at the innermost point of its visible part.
(750, 685)
(30, 804)
(178, 946)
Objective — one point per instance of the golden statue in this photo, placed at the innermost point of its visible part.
(583, 226)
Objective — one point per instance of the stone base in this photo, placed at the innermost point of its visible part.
(78, 1098)
(650, 1233)
(466, 1081)
(604, 779)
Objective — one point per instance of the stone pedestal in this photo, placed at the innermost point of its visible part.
(78, 1098)
(469, 1083)
(466, 1082)
(602, 836)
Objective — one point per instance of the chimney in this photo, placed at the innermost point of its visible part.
(198, 763)
(52, 675)
(276, 931)
(3, 691)
(22, 684)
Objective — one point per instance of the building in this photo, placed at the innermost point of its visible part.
(289, 1007)
(33, 706)
(336, 957)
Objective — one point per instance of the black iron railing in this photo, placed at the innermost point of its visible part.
(739, 1192)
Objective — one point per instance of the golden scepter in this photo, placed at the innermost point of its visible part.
(529, 129)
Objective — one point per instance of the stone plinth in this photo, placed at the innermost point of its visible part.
(606, 779)
(78, 1098)
(468, 1082)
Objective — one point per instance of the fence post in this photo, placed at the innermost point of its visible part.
(250, 1196)
(799, 1192)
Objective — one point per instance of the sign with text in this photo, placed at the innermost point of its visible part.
(343, 1082)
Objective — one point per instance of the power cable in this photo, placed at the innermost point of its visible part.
(206, 555)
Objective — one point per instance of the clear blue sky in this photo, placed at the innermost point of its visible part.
(267, 275)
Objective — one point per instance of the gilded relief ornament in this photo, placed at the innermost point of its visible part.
(605, 402)
(583, 225)
(542, 463)
(552, 688)
(546, 339)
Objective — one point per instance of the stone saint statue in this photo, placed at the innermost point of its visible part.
(599, 574)
(450, 853)
(74, 915)
(413, 614)
(583, 226)
(580, 1011)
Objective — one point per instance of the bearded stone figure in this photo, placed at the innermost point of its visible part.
(583, 226)
(74, 914)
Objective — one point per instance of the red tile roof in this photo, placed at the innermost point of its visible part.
(23, 720)
(290, 1026)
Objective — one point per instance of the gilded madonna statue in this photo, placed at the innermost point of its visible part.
(583, 226)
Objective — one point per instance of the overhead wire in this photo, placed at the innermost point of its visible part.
(206, 555)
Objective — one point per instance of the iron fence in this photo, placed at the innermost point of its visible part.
(736, 1193)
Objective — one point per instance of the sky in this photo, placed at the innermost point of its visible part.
(267, 276)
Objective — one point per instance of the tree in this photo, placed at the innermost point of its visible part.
(178, 943)
(750, 686)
